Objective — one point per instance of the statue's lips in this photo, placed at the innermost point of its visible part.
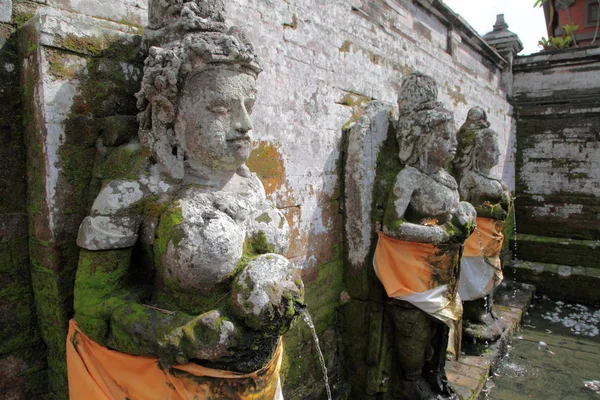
(239, 138)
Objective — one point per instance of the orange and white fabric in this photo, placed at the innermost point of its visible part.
(98, 373)
(481, 270)
(422, 274)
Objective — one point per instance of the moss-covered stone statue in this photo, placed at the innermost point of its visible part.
(417, 254)
(481, 270)
(181, 288)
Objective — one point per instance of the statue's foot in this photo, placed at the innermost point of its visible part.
(439, 383)
(487, 329)
(417, 389)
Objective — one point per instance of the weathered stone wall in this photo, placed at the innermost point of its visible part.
(22, 353)
(557, 102)
(322, 61)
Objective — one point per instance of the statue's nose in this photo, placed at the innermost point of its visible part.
(242, 122)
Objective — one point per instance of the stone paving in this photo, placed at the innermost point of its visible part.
(469, 374)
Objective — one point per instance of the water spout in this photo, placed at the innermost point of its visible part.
(514, 229)
(311, 325)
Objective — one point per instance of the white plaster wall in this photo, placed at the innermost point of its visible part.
(129, 11)
(315, 53)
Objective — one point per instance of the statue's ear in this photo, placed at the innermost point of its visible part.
(161, 139)
(163, 111)
(407, 138)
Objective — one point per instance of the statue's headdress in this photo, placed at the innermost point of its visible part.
(473, 137)
(183, 37)
(419, 113)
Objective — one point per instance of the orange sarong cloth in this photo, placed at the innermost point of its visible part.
(406, 268)
(98, 373)
(491, 238)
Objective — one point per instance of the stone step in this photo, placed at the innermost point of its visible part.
(468, 375)
(560, 282)
(563, 251)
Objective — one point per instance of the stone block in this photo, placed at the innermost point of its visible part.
(5, 10)
(130, 11)
(553, 250)
(574, 287)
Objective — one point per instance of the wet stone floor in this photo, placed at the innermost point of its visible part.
(555, 355)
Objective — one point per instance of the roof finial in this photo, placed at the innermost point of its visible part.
(500, 24)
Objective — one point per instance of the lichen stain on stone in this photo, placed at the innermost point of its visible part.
(265, 160)
(346, 46)
(357, 103)
(455, 94)
(291, 25)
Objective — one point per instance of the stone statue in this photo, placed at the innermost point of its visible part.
(417, 254)
(481, 271)
(182, 262)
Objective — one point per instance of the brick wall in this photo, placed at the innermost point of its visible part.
(557, 103)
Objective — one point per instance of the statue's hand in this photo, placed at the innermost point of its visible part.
(463, 222)
(209, 336)
(268, 294)
(465, 216)
(506, 200)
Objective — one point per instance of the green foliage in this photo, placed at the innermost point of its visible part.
(562, 42)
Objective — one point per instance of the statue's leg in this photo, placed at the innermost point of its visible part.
(479, 323)
(436, 365)
(412, 336)
(475, 310)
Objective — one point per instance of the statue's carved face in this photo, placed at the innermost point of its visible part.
(488, 154)
(214, 116)
(441, 146)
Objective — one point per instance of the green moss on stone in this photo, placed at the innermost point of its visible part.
(20, 18)
(260, 244)
(264, 218)
(124, 162)
(100, 288)
(168, 231)
(357, 103)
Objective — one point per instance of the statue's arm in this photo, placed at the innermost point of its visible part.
(107, 306)
(395, 224)
(465, 187)
(108, 311)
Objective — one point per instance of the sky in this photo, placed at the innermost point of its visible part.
(520, 15)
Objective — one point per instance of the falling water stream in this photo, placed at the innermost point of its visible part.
(514, 213)
(309, 322)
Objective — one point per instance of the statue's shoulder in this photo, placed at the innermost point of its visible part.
(115, 217)
(408, 175)
(118, 196)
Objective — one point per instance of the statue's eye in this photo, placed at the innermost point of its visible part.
(218, 109)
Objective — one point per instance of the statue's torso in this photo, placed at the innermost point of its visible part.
(477, 189)
(202, 238)
(431, 198)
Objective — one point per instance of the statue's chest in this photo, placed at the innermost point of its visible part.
(434, 199)
(199, 241)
